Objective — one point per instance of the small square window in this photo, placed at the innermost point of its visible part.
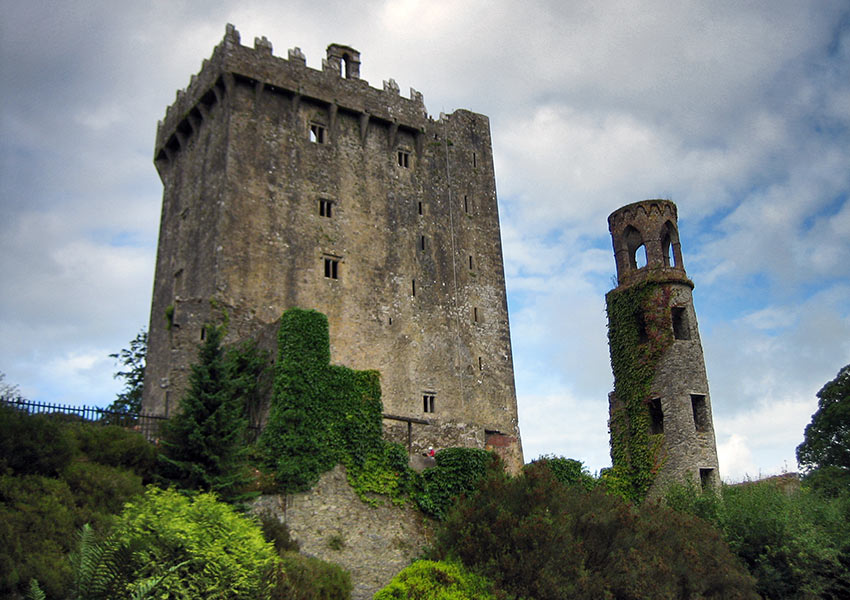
(428, 402)
(317, 133)
(326, 208)
(331, 267)
(404, 159)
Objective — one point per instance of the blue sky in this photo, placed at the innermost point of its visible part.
(738, 112)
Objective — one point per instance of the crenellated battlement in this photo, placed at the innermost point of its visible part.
(337, 85)
(646, 242)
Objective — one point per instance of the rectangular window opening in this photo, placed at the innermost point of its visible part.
(470, 261)
(656, 416)
(700, 408)
(404, 159)
(413, 287)
(643, 337)
(475, 313)
(326, 208)
(480, 364)
(681, 331)
(706, 477)
(466, 204)
(317, 133)
(428, 402)
(420, 209)
(421, 242)
(474, 160)
(331, 267)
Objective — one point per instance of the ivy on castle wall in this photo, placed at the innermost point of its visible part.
(323, 414)
(639, 332)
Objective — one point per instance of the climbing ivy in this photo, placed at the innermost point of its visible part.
(322, 415)
(639, 331)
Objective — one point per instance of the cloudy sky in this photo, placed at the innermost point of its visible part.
(737, 111)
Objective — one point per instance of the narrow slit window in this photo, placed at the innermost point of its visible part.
(480, 364)
(203, 333)
(317, 133)
(428, 403)
(474, 160)
(420, 209)
(656, 416)
(681, 331)
(331, 267)
(470, 262)
(326, 208)
(475, 313)
(466, 204)
(421, 242)
(640, 322)
(404, 159)
(700, 408)
(413, 287)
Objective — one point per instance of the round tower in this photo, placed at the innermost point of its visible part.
(660, 411)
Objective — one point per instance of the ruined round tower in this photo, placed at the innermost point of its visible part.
(660, 411)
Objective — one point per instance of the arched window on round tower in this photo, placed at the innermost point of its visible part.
(670, 248)
(635, 246)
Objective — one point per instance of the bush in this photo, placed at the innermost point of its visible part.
(429, 580)
(302, 577)
(535, 537)
(457, 471)
(221, 554)
(117, 447)
(37, 525)
(568, 471)
(33, 444)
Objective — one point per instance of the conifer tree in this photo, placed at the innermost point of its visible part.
(203, 445)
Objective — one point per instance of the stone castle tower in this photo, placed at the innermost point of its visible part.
(651, 315)
(287, 186)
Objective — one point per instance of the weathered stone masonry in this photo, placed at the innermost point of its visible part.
(679, 403)
(289, 186)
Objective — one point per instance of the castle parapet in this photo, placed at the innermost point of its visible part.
(338, 84)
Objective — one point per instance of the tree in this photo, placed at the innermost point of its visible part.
(203, 446)
(133, 358)
(8, 391)
(826, 440)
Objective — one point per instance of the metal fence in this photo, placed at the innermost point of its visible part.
(147, 425)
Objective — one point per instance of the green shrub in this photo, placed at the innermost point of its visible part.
(222, 553)
(302, 577)
(568, 471)
(276, 532)
(429, 580)
(796, 545)
(100, 491)
(37, 525)
(117, 447)
(33, 444)
(456, 472)
(535, 537)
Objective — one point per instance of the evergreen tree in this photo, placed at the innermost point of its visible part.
(203, 445)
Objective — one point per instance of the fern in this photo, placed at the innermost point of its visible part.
(35, 592)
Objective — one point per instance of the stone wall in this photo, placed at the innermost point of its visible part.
(331, 523)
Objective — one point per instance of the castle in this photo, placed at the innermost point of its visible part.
(287, 186)
(660, 331)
